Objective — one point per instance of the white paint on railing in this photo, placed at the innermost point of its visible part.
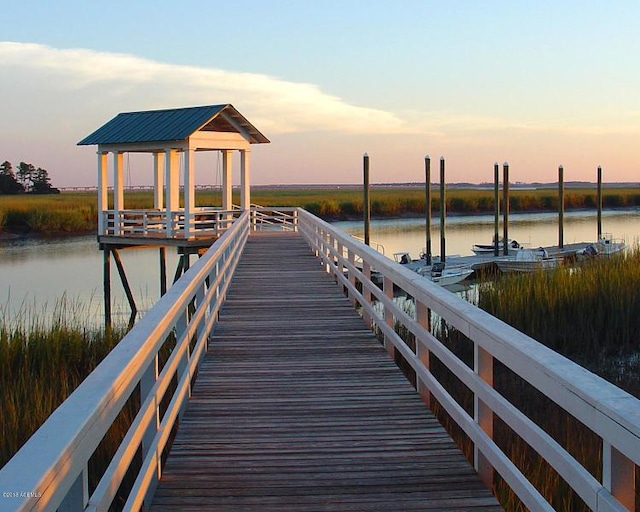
(608, 411)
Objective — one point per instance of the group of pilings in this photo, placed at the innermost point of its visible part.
(496, 204)
(110, 251)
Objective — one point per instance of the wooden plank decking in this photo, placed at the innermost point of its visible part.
(297, 407)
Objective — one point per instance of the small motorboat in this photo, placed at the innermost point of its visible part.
(605, 246)
(482, 249)
(438, 272)
(528, 260)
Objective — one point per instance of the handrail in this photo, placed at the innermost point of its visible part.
(608, 411)
(50, 470)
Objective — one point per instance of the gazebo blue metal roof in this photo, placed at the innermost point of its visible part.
(172, 125)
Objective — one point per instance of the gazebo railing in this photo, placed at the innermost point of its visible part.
(177, 224)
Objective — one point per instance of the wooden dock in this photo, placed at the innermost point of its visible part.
(297, 406)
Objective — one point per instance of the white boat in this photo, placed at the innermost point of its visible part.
(438, 272)
(481, 249)
(528, 260)
(605, 246)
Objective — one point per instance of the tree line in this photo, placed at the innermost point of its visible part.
(25, 179)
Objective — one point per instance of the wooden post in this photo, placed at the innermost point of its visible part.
(599, 200)
(163, 271)
(106, 282)
(427, 207)
(366, 207)
(560, 207)
(483, 367)
(496, 209)
(125, 285)
(443, 211)
(505, 208)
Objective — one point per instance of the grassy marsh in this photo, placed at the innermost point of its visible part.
(74, 212)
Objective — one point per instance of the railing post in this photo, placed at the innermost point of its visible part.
(147, 382)
(423, 317)
(366, 270)
(482, 414)
(387, 286)
(78, 495)
(352, 275)
(618, 475)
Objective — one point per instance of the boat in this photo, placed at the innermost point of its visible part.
(438, 272)
(605, 246)
(482, 249)
(528, 260)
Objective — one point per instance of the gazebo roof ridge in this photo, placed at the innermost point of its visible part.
(174, 124)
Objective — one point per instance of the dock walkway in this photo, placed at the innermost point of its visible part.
(297, 407)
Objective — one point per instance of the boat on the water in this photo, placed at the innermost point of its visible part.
(438, 272)
(605, 246)
(482, 249)
(528, 260)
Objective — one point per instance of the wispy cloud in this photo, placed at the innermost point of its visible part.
(273, 104)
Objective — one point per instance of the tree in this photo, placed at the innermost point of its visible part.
(8, 182)
(25, 174)
(41, 183)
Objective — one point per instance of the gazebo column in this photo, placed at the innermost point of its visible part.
(158, 181)
(245, 191)
(103, 198)
(118, 191)
(227, 185)
(189, 191)
(172, 171)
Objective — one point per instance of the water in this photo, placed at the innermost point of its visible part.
(36, 273)
(539, 229)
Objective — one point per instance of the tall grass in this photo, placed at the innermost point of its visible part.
(43, 357)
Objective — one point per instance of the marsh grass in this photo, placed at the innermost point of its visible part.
(43, 358)
(74, 212)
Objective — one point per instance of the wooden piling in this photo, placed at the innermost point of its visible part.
(443, 211)
(366, 208)
(505, 207)
(163, 271)
(496, 209)
(427, 208)
(599, 203)
(106, 285)
(561, 207)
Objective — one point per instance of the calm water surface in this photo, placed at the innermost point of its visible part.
(39, 272)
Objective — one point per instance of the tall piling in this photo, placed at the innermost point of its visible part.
(366, 207)
(599, 203)
(561, 207)
(443, 211)
(505, 208)
(427, 208)
(496, 209)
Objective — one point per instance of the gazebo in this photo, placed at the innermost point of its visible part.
(172, 136)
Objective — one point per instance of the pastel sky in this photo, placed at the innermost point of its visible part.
(535, 83)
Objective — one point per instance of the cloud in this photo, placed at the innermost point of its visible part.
(272, 104)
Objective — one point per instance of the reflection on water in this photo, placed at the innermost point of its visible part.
(38, 272)
(35, 273)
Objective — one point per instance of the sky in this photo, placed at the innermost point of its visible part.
(535, 84)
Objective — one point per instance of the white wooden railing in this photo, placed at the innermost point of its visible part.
(155, 223)
(609, 412)
(50, 471)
